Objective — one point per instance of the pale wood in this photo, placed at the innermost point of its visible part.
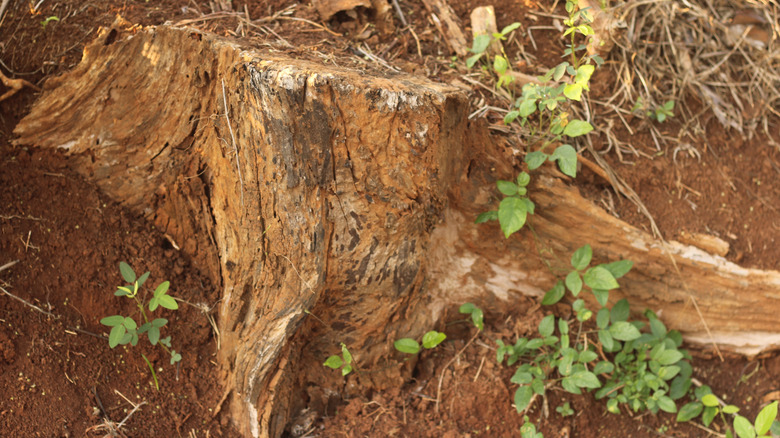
(448, 25)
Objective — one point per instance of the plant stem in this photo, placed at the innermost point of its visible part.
(151, 368)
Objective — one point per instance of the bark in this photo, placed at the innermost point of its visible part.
(333, 206)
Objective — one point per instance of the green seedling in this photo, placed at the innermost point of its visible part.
(513, 210)
(660, 113)
(477, 317)
(543, 111)
(528, 430)
(410, 346)
(565, 410)
(500, 63)
(45, 22)
(344, 361)
(708, 407)
(126, 330)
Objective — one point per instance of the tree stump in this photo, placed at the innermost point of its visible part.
(335, 206)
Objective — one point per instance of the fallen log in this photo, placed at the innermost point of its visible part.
(333, 206)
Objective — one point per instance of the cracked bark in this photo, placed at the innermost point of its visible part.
(359, 194)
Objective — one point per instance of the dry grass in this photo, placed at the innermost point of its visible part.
(703, 55)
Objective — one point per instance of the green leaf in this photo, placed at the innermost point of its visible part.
(554, 295)
(407, 345)
(175, 357)
(679, 387)
(127, 272)
(689, 412)
(559, 70)
(522, 377)
(153, 303)
(523, 178)
(500, 64)
(166, 341)
(669, 357)
(603, 367)
(523, 397)
(666, 404)
(529, 205)
(130, 324)
(599, 278)
(512, 213)
(481, 43)
(535, 159)
(573, 91)
(563, 327)
(576, 128)
(730, 409)
(602, 296)
(710, 400)
(585, 379)
(775, 429)
(467, 308)
(162, 288)
(584, 72)
(346, 354)
(477, 318)
(471, 60)
(113, 321)
(527, 107)
(432, 339)
(619, 268)
(620, 311)
(657, 327)
(567, 159)
(487, 216)
(602, 318)
(708, 415)
(154, 335)
(116, 335)
(511, 116)
(168, 302)
(142, 279)
(582, 257)
(612, 406)
(624, 331)
(122, 291)
(743, 428)
(508, 188)
(547, 326)
(509, 28)
(538, 386)
(159, 322)
(587, 356)
(765, 418)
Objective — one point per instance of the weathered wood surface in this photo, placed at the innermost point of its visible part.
(346, 195)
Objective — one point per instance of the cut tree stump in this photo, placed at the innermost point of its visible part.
(332, 206)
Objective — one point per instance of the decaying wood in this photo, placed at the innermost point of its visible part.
(332, 206)
(483, 22)
(448, 25)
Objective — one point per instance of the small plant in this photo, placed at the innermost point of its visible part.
(126, 330)
(660, 113)
(528, 430)
(513, 210)
(709, 407)
(344, 361)
(543, 111)
(45, 22)
(565, 410)
(429, 340)
(500, 63)
(477, 316)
